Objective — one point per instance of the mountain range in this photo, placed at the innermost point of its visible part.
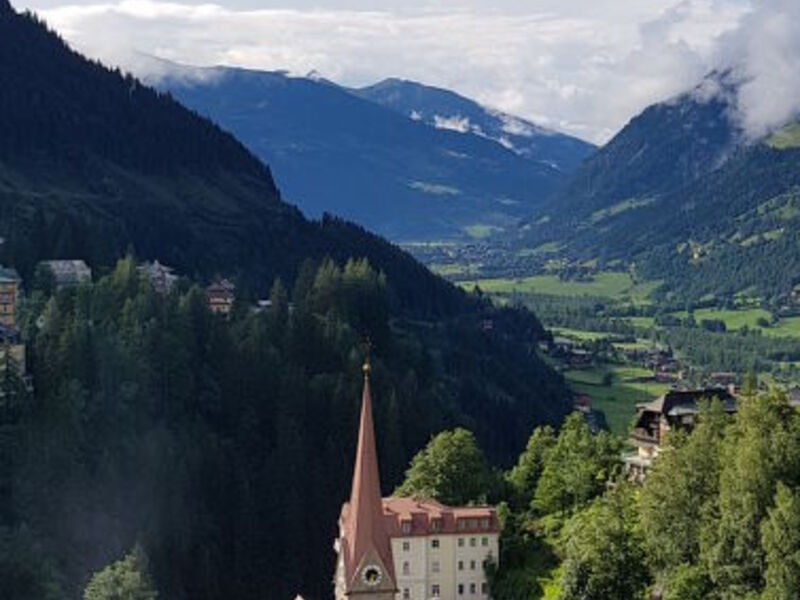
(143, 428)
(411, 162)
(444, 109)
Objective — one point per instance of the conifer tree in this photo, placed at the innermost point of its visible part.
(780, 538)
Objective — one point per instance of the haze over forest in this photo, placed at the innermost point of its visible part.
(518, 279)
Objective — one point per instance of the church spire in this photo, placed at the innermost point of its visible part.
(368, 564)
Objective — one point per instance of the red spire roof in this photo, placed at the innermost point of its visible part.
(364, 528)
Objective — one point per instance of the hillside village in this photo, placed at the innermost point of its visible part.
(420, 547)
(54, 275)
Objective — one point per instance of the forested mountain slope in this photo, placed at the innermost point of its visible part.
(683, 195)
(213, 443)
(335, 152)
(93, 163)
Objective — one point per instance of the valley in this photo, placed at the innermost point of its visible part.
(618, 343)
(542, 368)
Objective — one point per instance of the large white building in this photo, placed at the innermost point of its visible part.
(441, 552)
(408, 548)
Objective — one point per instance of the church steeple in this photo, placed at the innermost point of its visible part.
(365, 548)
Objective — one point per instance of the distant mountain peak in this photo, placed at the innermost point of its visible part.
(409, 179)
(445, 109)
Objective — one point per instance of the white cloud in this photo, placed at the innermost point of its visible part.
(581, 66)
(764, 54)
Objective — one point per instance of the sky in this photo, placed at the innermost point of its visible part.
(584, 67)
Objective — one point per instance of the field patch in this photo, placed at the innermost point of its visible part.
(630, 385)
(608, 284)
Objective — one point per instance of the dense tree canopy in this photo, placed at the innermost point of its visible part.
(576, 468)
(451, 469)
(225, 446)
(604, 558)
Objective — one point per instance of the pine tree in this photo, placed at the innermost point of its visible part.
(780, 538)
(603, 557)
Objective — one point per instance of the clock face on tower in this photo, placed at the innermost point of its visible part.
(372, 575)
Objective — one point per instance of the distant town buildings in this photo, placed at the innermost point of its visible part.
(221, 295)
(408, 548)
(10, 283)
(161, 276)
(12, 351)
(68, 273)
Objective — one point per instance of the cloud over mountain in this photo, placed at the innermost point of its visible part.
(764, 54)
(584, 66)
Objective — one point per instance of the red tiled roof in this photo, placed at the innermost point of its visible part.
(429, 517)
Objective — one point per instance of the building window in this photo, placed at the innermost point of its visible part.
(461, 565)
(460, 542)
(406, 568)
(472, 565)
(484, 588)
(435, 590)
(473, 542)
(406, 546)
(434, 543)
(462, 524)
(436, 525)
(406, 527)
(460, 589)
(472, 588)
(473, 523)
(485, 523)
(484, 541)
(435, 566)
(406, 594)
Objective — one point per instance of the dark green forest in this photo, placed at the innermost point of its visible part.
(224, 447)
(681, 196)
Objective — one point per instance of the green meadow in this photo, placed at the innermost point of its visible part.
(608, 284)
(617, 401)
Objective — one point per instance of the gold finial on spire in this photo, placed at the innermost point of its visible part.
(367, 348)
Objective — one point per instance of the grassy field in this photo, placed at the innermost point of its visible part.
(612, 285)
(449, 270)
(639, 344)
(788, 327)
(733, 319)
(578, 334)
(642, 322)
(618, 400)
(480, 231)
(619, 208)
(736, 319)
